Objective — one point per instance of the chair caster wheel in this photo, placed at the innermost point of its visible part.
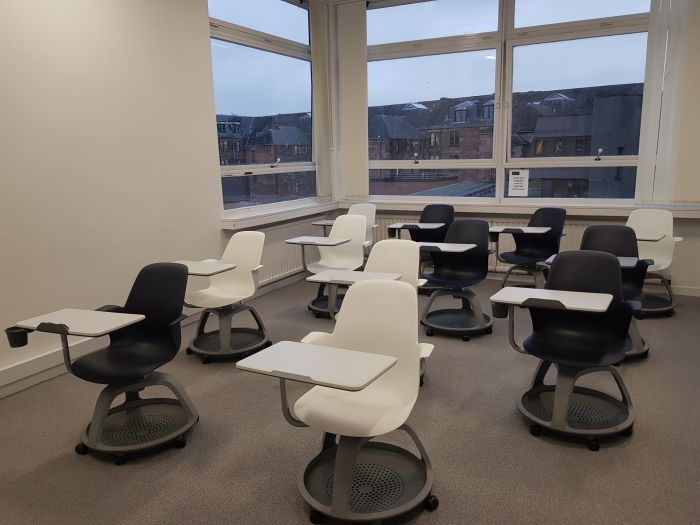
(593, 445)
(535, 430)
(420, 383)
(431, 503)
(465, 338)
(616, 364)
(119, 459)
(81, 449)
(315, 516)
(205, 360)
(489, 330)
(317, 315)
(628, 431)
(189, 351)
(268, 344)
(180, 442)
(669, 313)
(430, 332)
(644, 355)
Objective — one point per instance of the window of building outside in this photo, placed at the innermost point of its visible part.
(574, 97)
(263, 124)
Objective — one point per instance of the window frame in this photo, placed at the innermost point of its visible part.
(503, 41)
(245, 36)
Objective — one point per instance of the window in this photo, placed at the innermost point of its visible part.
(275, 17)
(263, 124)
(541, 12)
(433, 182)
(573, 86)
(438, 18)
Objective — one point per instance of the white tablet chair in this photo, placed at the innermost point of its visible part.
(651, 223)
(369, 212)
(402, 257)
(353, 478)
(224, 297)
(347, 256)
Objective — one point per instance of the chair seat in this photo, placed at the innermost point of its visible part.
(515, 258)
(577, 352)
(370, 412)
(211, 298)
(122, 362)
(317, 267)
(445, 282)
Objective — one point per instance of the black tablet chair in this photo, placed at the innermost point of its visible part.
(128, 365)
(453, 274)
(577, 343)
(434, 213)
(621, 241)
(531, 249)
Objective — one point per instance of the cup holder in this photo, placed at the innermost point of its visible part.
(17, 336)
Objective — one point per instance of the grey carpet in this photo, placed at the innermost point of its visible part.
(243, 459)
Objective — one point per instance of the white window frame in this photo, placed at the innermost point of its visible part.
(503, 41)
(235, 34)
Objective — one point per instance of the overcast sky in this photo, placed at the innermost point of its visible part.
(255, 83)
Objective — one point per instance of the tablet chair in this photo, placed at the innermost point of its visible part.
(577, 343)
(369, 212)
(650, 223)
(347, 256)
(434, 213)
(531, 249)
(453, 274)
(621, 241)
(402, 257)
(354, 478)
(224, 298)
(128, 366)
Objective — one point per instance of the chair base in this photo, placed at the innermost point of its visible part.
(538, 274)
(319, 305)
(138, 424)
(639, 347)
(228, 342)
(653, 304)
(576, 411)
(384, 481)
(459, 322)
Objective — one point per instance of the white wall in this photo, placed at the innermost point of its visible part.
(108, 151)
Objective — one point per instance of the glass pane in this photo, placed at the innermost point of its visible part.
(578, 97)
(253, 190)
(432, 107)
(259, 118)
(541, 12)
(269, 16)
(581, 183)
(433, 182)
(433, 19)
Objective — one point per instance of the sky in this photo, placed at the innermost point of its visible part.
(251, 82)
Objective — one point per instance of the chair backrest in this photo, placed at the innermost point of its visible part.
(545, 245)
(369, 211)
(653, 222)
(350, 255)
(620, 241)
(434, 213)
(616, 239)
(158, 293)
(381, 317)
(244, 249)
(572, 332)
(395, 256)
(471, 266)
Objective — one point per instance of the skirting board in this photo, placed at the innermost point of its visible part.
(40, 368)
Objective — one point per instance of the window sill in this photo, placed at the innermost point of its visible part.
(254, 216)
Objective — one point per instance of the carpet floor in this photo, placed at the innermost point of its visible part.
(242, 459)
